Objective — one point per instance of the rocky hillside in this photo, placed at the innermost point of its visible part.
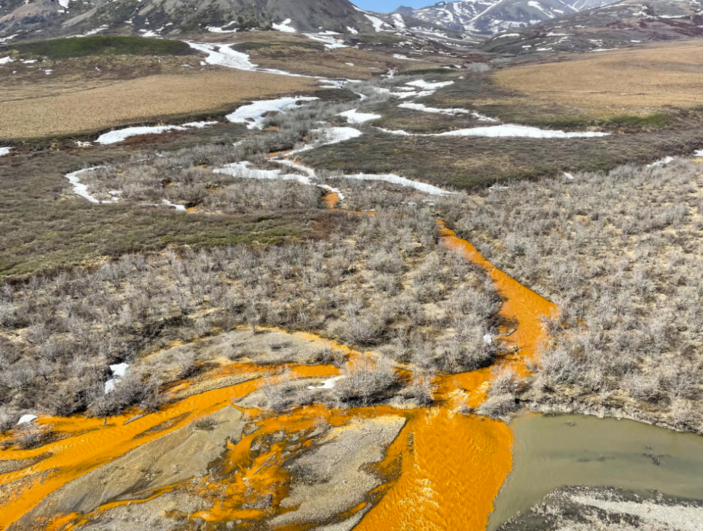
(172, 17)
(624, 24)
(493, 16)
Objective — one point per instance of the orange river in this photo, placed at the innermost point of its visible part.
(451, 465)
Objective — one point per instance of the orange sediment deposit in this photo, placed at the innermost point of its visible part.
(92, 443)
(331, 199)
(273, 154)
(247, 475)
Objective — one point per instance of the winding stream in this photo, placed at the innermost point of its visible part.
(452, 465)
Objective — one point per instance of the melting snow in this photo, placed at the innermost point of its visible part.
(435, 110)
(508, 130)
(224, 55)
(121, 134)
(400, 181)
(284, 26)
(118, 371)
(24, 419)
(377, 23)
(355, 117)
(327, 384)
(661, 162)
(81, 189)
(5, 60)
(330, 42)
(404, 57)
(503, 131)
(5, 151)
(242, 170)
(94, 31)
(173, 205)
(334, 135)
(432, 86)
(215, 29)
(252, 114)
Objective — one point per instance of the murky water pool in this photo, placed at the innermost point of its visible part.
(551, 452)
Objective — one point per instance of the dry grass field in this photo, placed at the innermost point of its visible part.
(626, 80)
(31, 113)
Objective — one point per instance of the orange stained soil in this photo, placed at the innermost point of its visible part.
(91, 443)
(331, 199)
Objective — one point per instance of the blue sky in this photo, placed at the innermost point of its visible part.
(384, 6)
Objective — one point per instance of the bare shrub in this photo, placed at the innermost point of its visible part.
(31, 435)
(204, 424)
(365, 380)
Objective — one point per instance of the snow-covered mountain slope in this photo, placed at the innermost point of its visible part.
(76, 17)
(492, 16)
(623, 24)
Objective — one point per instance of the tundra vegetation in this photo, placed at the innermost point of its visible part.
(374, 283)
(620, 255)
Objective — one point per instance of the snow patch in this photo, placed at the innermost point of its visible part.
(173, 205)
(6, 60)
(26, 419)
(504, 131)
(661, 162)
(330, 42)
(400, 181)
(284, 26)
(94, 31)
(377, 23)
(243, 170)
(327, 384)
(430, 86)
(5, 151)
(435, 110)
(81, 189)
(355, 117)
(119, 135)
(509, 130)
(253, 114)
(224, 55)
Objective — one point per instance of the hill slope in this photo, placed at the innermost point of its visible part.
(492, 16)
(619, 25)
(73, 17)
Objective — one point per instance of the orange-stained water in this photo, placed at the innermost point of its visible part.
(457, 463)
(449, 476)
(451, 465)
(522, 305)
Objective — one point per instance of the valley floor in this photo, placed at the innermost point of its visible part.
(320, 309)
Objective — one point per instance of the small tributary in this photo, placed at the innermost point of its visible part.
(556, 451)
